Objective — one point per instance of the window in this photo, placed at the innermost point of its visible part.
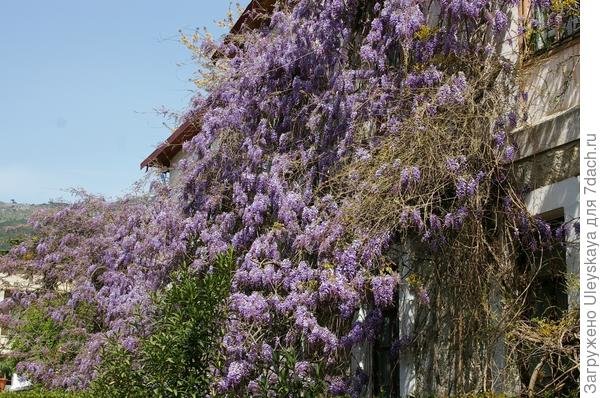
(548, 27)
(546, 301)
(384, 362)
(165, 176)
(547, 298)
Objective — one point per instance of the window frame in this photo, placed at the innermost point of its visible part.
(551, 198)
(525, 11)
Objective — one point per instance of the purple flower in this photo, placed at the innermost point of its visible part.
(363, 154)
(461, 188)
(560, 233)
(500, 22)
(416, 173)
(430, 77)
(253, 214)
(455, 220)
(417, 221)
(266, 352)
(545, 4)
(237, 372)
(499, 139)
(302, 370)
(337, 386)
(461, 9)
(372, 324)
(454, 164)
(452, 93)
(254, 387)
(383, 288)
(544, 230)
(380, 171)
(130, 343)
(354, 336)
(373, 248)
(58, 315)
(434, 222)
(405, 177)
(252, 308)
(512, 119)
(555, 20)
(359, 381)
(20, 250)
(510, 153)
(403, 218)
(423, 296)
(348, 259)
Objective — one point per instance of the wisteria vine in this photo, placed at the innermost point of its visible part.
(346, 150)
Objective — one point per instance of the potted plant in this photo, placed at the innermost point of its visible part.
(6, 371)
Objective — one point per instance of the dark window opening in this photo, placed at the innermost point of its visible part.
(544, 275)
(547, 297)
(384, 361)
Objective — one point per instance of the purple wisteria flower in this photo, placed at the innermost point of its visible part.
(254, 387)
(253, 308)
(130, 343)
(435, 224)
(452, 92)
(510, 153)
(499, 139)
(417, 220)
(454, 165)
(464, 8)
(338, 386)
(500, 22)
(291, 110)
(512, 119)
(383, 288)
(302, 370)
(542, 3)
(429, 78)
(456, 219)
(360, 380)
(560, 233)
(372, 324)
(354, 336)
(423, 296)
(236, 372)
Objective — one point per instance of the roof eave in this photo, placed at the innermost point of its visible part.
(161, 157)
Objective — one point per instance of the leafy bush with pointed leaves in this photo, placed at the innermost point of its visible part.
(179, 357)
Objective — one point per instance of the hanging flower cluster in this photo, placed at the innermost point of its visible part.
(342, 132)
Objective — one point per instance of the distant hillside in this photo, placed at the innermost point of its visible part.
(13, 221)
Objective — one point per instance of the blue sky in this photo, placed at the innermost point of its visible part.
(79, 85)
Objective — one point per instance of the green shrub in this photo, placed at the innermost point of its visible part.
(7, 367)
(176, 359)
(38, 337)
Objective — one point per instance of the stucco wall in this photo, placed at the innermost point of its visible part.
(174, 174)
(550, 82)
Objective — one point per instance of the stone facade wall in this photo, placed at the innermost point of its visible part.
(548, 167)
